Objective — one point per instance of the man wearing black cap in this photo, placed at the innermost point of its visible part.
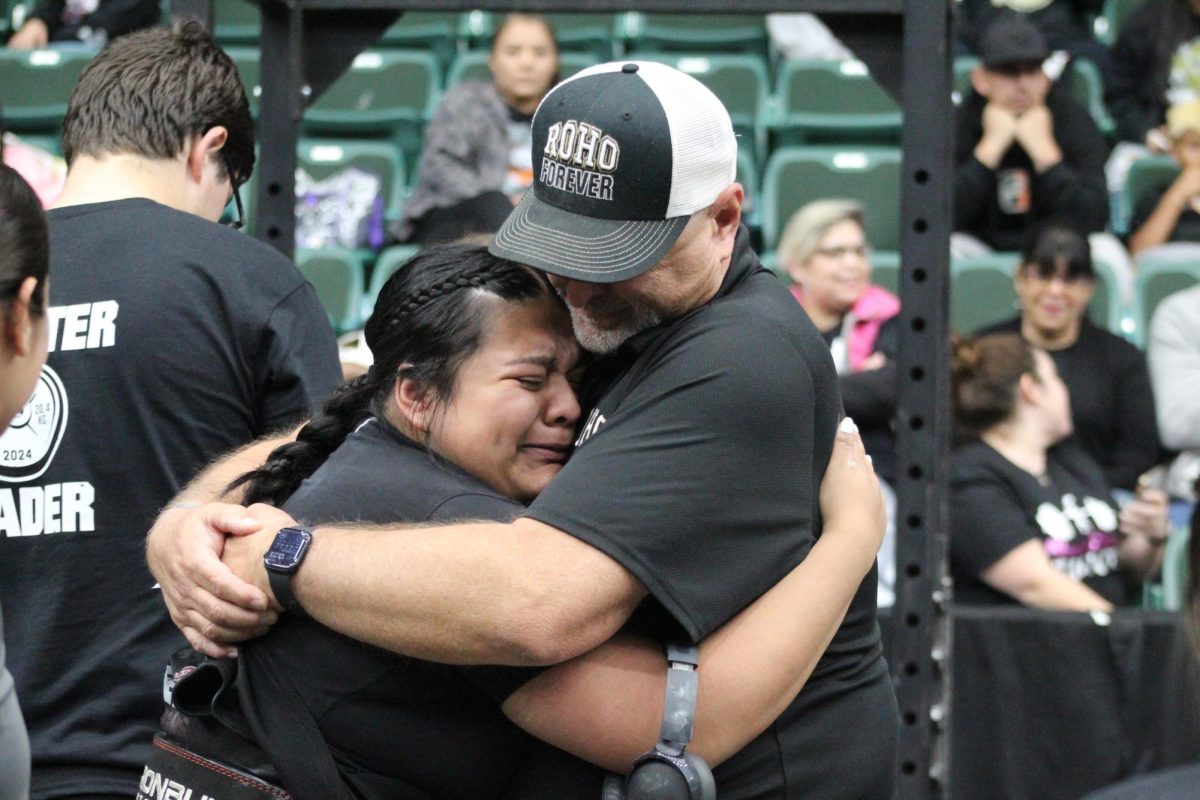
(693, 484)
(1027, 152)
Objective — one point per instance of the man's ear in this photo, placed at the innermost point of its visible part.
(203, 148)
(1028, 388)
(979, 81)
(414, 400)
(727, 214)
(18, 322)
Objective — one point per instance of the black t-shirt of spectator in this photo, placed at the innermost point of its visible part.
(1187, 227)
(995, 506)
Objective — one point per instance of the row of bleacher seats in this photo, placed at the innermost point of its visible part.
(981, 289)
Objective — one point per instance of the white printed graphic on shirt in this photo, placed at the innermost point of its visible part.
(1080, 535)
(29, 444)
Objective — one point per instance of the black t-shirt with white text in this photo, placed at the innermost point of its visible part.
(996, 506)
(172, 341)
(698, 470)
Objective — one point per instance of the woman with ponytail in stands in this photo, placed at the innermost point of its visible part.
(1033, 520)
(24, 261)
(467, 413)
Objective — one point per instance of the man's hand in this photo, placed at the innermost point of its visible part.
(243, 555)
(210, 604)
(1035, 134)
(999, 132)
(33, 35)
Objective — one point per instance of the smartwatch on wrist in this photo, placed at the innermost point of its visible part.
(282, 560)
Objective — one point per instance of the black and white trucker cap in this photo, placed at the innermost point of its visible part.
(623, 154)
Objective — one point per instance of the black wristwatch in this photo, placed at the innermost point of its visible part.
(283, 559)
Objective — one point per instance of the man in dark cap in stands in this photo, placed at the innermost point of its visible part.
(1027, 152)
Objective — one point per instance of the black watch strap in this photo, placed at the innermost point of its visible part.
(281, 587)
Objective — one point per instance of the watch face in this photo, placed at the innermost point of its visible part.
(287, 549)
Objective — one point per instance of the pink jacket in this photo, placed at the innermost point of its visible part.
(874, 307)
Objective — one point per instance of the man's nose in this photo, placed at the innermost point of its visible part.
(576, 293)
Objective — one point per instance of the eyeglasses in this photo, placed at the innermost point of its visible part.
(235, 181)
(240, 220)
(858, 251)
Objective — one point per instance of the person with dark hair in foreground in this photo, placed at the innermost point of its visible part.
(693, 484)
(467, 413)
(174, 340)
(24, 266)
(1033, 520)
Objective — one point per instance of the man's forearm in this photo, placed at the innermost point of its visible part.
(487, 593)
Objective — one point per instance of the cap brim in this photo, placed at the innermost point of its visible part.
(583, 248)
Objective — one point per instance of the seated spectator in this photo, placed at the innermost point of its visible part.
(825, 253)
(83, 22)
(1111, 400)
(1064, 24)
(1033, 520)
(1153, 69)
(1027, 152)
(1174, 355)
(477, 160)
(1171, 212)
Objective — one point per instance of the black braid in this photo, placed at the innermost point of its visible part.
(289, 464)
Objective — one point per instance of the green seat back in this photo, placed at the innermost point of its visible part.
(390, 260)
(981, 291)
(823, 101)
(321, 158)
(1157, 279)
(739, 33)
(337, 275)
(35, 86)
(380, 90)
(1145, 174)
(870, 175)
(236, 22)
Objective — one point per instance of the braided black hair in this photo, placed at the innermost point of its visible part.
(424, 326)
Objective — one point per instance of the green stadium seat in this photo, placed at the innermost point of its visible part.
(981, 291)
(738, 33)
(1158, 278)
(1108, 24)
(740, 81)
(961, 80)
(36, 86)
(236, 22)
(747, 176)
(1145, 174)
(885, 270)
(390, 260)
(321, 158)
(337, 275)
(871, 175)
(248, 61)
(443, 34)
(472, 66)
(1087, 87)
(824, 101)
(383, 94)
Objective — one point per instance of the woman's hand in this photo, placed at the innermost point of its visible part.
(1146, 516)
(851, 501)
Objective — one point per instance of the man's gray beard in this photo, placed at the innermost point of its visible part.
(605, 340)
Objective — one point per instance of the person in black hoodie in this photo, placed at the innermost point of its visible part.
(1027, 152)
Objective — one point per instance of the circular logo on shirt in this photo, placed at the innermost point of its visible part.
(32, 438)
